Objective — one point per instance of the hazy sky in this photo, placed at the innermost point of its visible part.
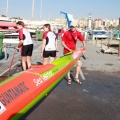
(109, 9)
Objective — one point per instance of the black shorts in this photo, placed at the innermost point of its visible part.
(27, 50)
(49, 54)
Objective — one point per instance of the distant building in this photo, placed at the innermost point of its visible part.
(107, 23)
(98, 23)
(82, 23)
(115, 23)
(104, 23)
(61, 21)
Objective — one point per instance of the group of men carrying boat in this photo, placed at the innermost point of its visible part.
(49, 46)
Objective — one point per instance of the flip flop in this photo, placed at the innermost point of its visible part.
(69, 81)
(78, 81)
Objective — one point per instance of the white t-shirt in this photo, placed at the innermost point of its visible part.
(50, 41)
(24, 34)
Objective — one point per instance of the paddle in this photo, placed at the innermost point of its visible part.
(11, 63)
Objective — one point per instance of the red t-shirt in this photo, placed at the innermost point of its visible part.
(68, 40)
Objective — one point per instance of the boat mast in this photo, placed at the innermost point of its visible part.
(7, 8)
(32, 9)
(41, 9)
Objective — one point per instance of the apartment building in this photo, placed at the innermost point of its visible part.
(82, 23)
(97, 23)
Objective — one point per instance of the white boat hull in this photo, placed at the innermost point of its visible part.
(12, 41)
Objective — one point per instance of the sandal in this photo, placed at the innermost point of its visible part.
(69, 81)
(77, 81)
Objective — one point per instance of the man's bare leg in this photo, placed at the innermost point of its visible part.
(45, 61)
(78, 67)
(52, 59)
(24, 59)
(69, 79)
(28, 61)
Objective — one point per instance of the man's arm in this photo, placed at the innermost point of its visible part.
(21, 37)
(81, 38)
(64, 45)
(19, 45)
(43, 45)
(84, 46)
(56, 44)
(84, 50)
(63, 42)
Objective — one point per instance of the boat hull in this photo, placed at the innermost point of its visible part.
(22, 91)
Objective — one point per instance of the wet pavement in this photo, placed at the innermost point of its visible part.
(98, 98)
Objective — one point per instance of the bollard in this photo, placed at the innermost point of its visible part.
(119, 50)
(5, 51)
(108, 43)
(101, 43)
(96, 41)
(93, 39)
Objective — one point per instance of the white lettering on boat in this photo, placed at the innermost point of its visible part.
(39, 81)
(48, 74)
(43, 78)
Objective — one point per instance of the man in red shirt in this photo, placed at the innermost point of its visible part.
(69, 41)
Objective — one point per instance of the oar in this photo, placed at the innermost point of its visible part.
(11, 63)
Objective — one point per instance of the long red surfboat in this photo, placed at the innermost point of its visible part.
(23, 90)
